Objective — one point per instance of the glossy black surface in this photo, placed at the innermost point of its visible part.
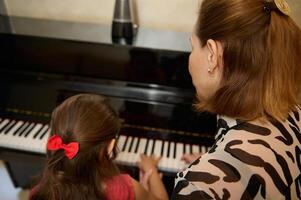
(43, 62)
(152, 85)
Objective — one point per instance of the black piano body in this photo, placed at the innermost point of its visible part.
(43, 62)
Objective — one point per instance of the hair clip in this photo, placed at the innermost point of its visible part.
(283, 6)
(55, 142)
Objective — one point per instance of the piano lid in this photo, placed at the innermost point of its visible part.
(156, 59)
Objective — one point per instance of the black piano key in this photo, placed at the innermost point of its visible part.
(124, 145)
(175, 150)
(136, 149)
(44, 133)
(10, 127)
(153, 148)
(131, 145)
(163, 143)
(23, 128)
(145, 150)
(191, 148)
(168, 150)
(4, 127)
(184, 148)
(28, 130)
(37, 133)
(18, 129)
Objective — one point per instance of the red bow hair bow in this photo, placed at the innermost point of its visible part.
(55, 142)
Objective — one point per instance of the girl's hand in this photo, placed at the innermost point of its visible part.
(147, 165)
(148, 162)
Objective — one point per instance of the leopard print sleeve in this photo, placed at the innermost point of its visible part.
(249, 160)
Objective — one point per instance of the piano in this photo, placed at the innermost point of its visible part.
(43, 62)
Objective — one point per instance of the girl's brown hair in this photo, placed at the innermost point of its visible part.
(262, 58)
(89, 120)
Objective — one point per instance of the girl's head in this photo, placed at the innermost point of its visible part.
(89, 120)
(245, 61)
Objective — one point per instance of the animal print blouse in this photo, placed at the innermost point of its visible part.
(249, 160)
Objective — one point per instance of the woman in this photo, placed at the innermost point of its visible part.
(245, 66)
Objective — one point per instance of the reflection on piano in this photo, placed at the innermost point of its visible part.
(44, 62)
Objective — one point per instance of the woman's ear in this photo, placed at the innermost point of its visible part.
(214, 54)
(111, 147)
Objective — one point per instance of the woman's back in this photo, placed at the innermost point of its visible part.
(250, 160)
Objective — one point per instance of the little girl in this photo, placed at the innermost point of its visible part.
(80, 154)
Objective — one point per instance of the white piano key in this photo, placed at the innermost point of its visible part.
(22, 128)
(31, 125)
(172, 150)
(187, 149)
(35, 140)
(165, 149)
(4, 122)
(135, 142)
(163, 163)
(179, 154)
(126, 154)
(27, 142)
(131, 154)
(195, 148)
(133, 157)
(203, 149)
(8, 139)
(141, 146)
(120, 154)
(172, 164)
(158, 147)
(40, 132)
(149, 147)
(9, 125)
(179, 150)
(40, 145)
(128, 144)
(14, 140)
(121, 141)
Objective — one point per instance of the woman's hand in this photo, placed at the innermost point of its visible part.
(189, 158)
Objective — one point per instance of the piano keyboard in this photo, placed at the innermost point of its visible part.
(32, 137)
(171, 152)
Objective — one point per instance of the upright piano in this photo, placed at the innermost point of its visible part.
(43, 62)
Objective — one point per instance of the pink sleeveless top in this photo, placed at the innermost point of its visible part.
(120, 187)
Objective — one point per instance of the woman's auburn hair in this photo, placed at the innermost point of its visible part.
(89, 120)
(261, 59)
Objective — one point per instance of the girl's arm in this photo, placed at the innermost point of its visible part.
(156, 189)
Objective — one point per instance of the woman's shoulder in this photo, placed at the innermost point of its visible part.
(120, 187)
(241, 151)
